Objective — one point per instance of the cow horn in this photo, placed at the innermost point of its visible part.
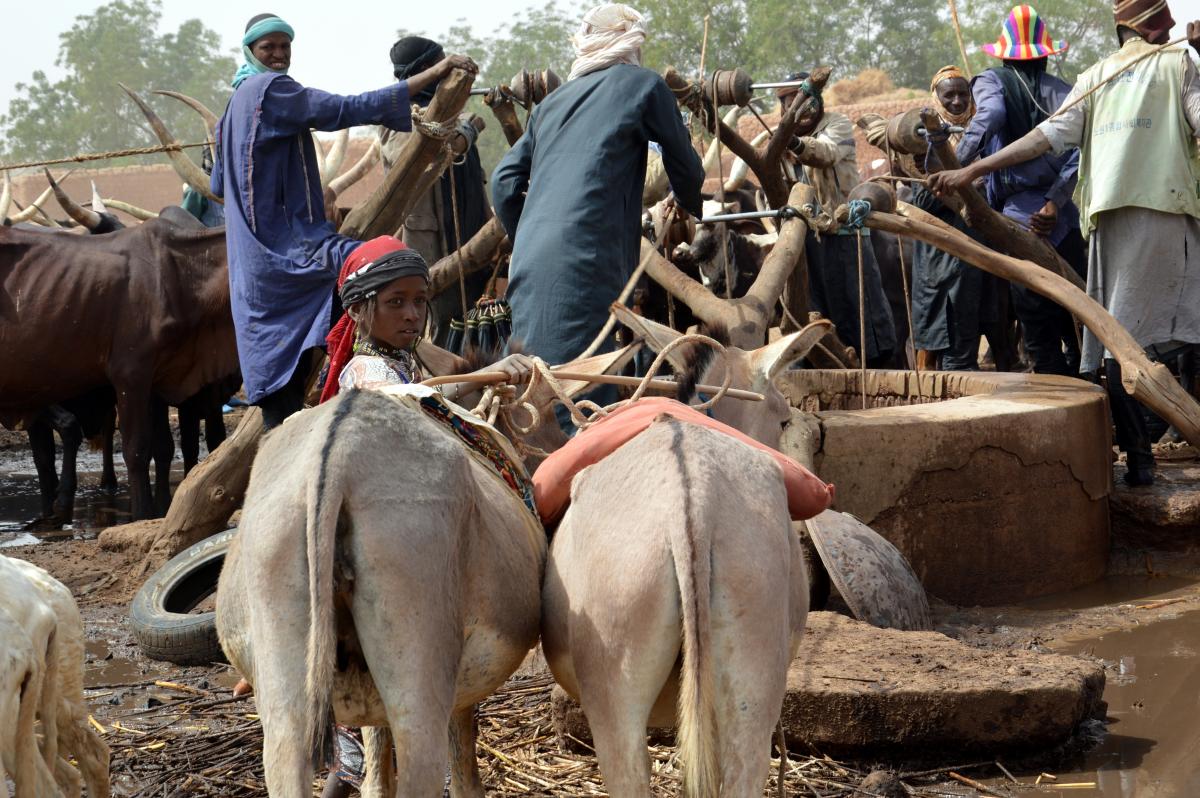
(5, 195)
(737, 175)
(97, 203)
(89, 219)
(192, 175)
(319, 148)
(34, 209)
(710, 155)
(334, 158)
(132, 210)
(356, 172)
(210, 119)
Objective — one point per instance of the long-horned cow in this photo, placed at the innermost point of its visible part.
(145, 310)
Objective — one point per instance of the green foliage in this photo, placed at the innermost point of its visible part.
(908, 39)
(1088, 27)
(86, 111)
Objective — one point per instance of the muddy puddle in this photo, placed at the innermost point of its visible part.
(95, 508)
(1152, 748)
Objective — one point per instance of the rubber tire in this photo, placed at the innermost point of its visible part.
(159, 614)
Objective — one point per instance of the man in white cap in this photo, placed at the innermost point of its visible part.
(569, 192)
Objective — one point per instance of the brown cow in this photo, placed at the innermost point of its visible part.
(145, 310)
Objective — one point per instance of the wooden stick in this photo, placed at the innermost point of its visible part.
(1148, 382)
(978, 785)
(475, 254)
(489, 377)
(1000, 231)
(962, 48)
(421, 162)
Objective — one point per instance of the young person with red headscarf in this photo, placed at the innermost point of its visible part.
(384, 288)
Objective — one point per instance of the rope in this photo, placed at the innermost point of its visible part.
(859, 210)
(912, 336)
(933, 138)
(503, 402)
(1116, 74)
(434, 130)
(104, 156)
(862, 314)
(761, 121)
(721, 199)
(458, 242)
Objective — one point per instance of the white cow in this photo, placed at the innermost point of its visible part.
(676, 592)
(382, 576)
(37, 600)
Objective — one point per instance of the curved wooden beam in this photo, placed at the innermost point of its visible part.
(478, 252)
(1001, 232)
(420, 162)
(1148, 382)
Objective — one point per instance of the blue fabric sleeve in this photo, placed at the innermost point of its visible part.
(664, 125)
(289, 108)
(989, 116)
(510, 181)
(1064, 186)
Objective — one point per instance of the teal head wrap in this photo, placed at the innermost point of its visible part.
(265, 25)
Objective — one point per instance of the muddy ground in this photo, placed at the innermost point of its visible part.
(1142, 628)
(175, 732)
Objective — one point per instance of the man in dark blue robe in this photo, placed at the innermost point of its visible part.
(284, 255)
(569, 192)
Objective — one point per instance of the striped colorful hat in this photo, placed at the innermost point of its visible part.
(1024, 38)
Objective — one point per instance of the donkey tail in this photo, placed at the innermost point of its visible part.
(323, 504)
(691, 551)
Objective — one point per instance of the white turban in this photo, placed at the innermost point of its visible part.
(609, 34)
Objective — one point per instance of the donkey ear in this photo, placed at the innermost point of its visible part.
(656, 335)
(771, 359)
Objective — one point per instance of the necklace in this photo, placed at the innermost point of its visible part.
(365, 347)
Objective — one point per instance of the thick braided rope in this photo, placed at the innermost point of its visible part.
(104, 156)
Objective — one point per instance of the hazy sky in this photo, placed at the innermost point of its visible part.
(341, 46)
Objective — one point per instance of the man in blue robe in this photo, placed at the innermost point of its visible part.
(1011, 100)
(569, 192)
(284, 255)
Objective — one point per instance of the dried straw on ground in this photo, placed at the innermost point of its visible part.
(200, 743)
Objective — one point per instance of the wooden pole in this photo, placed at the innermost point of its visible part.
(746, 317)
(506, 114)
(1148, 382)
(662, 386)
(962, 48)
(210, 493)
(477, 253)
(1001, 232)
(421, 161)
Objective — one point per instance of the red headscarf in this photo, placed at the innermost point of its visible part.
(341, 338)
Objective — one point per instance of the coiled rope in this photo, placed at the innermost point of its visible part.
(501, 400)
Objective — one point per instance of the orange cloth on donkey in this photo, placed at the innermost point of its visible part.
(807, 495)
